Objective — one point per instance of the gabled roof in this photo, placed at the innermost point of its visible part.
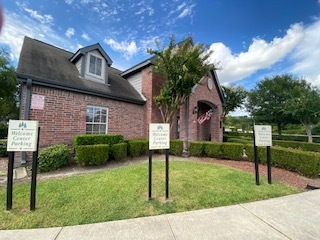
(84, 50)
(50, 66)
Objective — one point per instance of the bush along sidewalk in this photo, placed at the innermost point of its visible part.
(303, 162)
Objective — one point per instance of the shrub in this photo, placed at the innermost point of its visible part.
(93, 139)
(213, 149)
(312, 147)
(197, 149)
(138, 147)
(232, 151)
(3, 148)
(176, 147)
(119, 151)
(92, 154)
(53, 157)
(305, 163)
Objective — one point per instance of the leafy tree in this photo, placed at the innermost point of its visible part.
(304, 106)
(180, 66)
(234, 98)
(8, 89)
(267, 100)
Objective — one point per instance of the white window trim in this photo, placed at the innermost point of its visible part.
(95, 76)
(107, 118)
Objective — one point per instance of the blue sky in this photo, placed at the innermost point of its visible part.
(251, 39)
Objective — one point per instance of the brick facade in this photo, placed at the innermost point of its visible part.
(64, 115)
(203, 98)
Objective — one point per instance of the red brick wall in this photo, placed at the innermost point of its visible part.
(211, 128)
(64, 115)
(151, 85)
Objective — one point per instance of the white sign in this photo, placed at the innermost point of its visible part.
(159, 136)
(263, 135)
(37, 102)
(22, 136)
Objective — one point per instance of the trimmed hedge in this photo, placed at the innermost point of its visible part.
(93, 139)
(137, 147)
(176, 147)
(232, 151)
(312, 147)
(92, 154)
(3, 148)
(213, 149)
(197, 149)
(217, 150)
(119, 151)
(53, 157)
(305, 163)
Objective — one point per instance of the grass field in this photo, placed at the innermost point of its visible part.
(122, 193)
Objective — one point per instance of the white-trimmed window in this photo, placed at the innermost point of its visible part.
(95, 65)
(96, 120)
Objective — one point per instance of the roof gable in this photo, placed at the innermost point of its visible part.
(84, 50)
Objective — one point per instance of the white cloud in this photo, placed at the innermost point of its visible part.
(306, 56)
(86, 37)
(186, 12)
(129, 49)
(70, 32)
(45, 18)
(69, 1)
(260, 55)
(16, 27)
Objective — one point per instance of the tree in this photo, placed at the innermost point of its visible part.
(267, 100)
(8, 89)
(234, 98)
(304, 106)
(180, 66)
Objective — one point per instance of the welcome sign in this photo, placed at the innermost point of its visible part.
(22, 136)
(159, 136)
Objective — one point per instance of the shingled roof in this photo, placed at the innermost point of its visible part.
(50, 66)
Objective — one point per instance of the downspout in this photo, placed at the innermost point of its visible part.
(187, 127)
(26, 114)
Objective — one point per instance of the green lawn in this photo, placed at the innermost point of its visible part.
(122, 193)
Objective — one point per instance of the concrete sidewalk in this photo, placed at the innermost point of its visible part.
(290, 217)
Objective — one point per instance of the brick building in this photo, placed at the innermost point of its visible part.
(73, 93)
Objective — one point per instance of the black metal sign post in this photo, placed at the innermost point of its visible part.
(256, 160)
(10, 180)
(269, 163)
(262, 137)
(150, 175)
(167, 174)
(159, 138)
(34, 176)
(27, 144)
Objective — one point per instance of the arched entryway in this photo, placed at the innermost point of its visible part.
(206, 110)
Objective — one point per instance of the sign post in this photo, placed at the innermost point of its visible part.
(23, 136)
(262, 137)
(159, 138)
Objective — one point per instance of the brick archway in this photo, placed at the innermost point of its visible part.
(204, 125)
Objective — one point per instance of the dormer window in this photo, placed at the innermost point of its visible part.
(92, 63)
(95, 65)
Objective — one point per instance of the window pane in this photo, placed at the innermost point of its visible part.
(98, 66)
(92, 64)
(95, 129)
(89, 114)
(89, 128)
(103, 118)
(96, 115)
(102, 128)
